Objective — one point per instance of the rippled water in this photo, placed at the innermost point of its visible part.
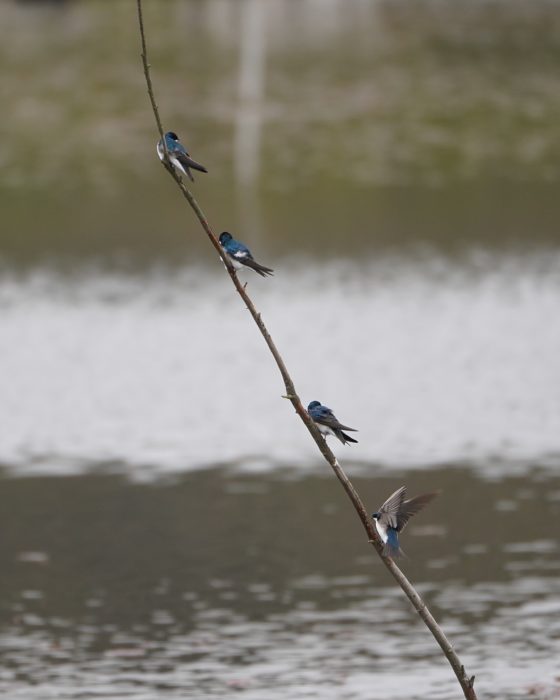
(203, 587)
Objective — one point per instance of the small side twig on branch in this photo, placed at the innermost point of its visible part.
(419, 605)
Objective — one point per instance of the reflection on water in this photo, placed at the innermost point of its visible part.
(367, 123)
(431, 363)
(396, 91)
(202, 586)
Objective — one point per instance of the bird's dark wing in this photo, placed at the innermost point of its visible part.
(389, 511)
(186, 169)
(238, 251)
(249, 261)
(326, 417)
(343, 437)
(187, 162)
(346, 427)
(413, 506)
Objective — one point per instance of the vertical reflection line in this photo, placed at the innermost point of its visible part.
(248, 117)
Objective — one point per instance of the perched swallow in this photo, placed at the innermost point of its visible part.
(328, 423)
(240, 256)
(393, 516)
(178, 155)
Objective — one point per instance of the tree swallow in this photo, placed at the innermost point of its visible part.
(240, 256)
(393, 516)
(178, 155)
(327, 422)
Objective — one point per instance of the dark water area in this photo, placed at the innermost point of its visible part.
(319, 225)
(215, 583)
(166, 528)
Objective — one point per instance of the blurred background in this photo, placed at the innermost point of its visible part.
(168, 527)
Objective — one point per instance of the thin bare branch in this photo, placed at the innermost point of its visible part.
(146, 65)
(419, 605)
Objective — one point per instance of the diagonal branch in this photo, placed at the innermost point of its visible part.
(466, 682)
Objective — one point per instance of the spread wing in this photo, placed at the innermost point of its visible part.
(413, 506)
(390, 510)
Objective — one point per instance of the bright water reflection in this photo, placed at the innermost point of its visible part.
(432, 363)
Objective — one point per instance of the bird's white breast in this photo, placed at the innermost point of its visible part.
(172, 158)
(235, 262)
(382, 530)
(177, 164)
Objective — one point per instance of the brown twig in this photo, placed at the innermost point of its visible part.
(419, 605)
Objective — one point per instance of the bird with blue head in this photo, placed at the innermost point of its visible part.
(240, 256)
(178, 155)
(328, 423)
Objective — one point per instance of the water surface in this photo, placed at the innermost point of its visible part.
(212, 584)
(167, 525)
(167, 372)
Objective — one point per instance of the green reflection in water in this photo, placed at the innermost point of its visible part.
(382, 123)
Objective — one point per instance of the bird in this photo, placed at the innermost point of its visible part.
(178, 155)
(328, 423)
(240, 256)
(394, 515)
